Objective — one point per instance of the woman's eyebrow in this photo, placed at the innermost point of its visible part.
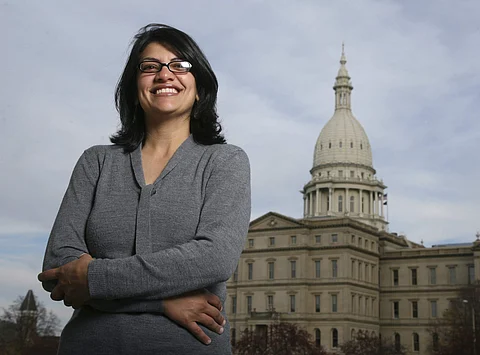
(151, 59)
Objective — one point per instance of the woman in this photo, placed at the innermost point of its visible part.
(151, 227)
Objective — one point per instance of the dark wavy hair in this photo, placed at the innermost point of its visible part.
(204, 125)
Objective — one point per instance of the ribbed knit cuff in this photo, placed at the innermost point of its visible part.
(97, 279)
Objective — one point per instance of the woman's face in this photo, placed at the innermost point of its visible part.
(165, 93)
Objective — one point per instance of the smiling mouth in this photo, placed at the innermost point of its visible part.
(165, 91)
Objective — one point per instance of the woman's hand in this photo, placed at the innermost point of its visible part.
(72, 286)
(198, 307)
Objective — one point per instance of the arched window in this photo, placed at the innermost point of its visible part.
(351, 144)
(397, 342)
(334, 338)
(435, 341)
(416, 342)
(233, 337)
(352, 204)
(330, 145)
(340, 144)
(318, 338)
(340, 203)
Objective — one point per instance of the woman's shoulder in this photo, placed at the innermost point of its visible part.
(221, 152)
(100, 151)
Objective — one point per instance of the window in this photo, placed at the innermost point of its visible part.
(414, 309)
(334, 338)
(433, 309)
(363, 205)
(340, 203)
(334, 238)
(233, 337)
(234, 304)
(330, 145)
(416, 342)
(334, 303)
(471, 274)
(395, 277)
(340, 144)
(293, 269)
(360, 269)
(396, 310)
(318, 239)
(271, 270)
(397, 342)
(360, 241)
(352, 272)
(250, 243)
(352, 173)
(317, 269)
(235, 274)
(351, 144)
(353, 239)
(317, 303)
(433, 276)
(318, 338)
(249, 304)
(414, 276)
(250, 271)
(271, 241)
(334, 268)
(292, 303)
(452, 275)
(352, 204)
(435, 341)
(270, 302)
(340, 173)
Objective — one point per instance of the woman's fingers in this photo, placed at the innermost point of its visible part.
(215, 315)
(213, 300)
(198, 332)
(210, 323)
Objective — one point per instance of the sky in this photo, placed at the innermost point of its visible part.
(414, 68)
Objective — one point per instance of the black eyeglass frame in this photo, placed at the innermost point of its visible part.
(164, 65)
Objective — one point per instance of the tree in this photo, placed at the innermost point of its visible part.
(453, 333)
(277, 339)
(26, 324)
(365, 344)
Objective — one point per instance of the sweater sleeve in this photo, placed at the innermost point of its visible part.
(67, 238)
(209, 258)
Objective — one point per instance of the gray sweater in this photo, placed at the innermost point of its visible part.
(184, 232)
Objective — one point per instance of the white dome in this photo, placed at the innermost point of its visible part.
(343, 140)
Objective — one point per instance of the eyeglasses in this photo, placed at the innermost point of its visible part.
(175, 66)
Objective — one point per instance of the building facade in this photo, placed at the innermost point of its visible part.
(338, 270)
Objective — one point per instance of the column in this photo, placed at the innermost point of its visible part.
(318, 207)
(329, 207)
(305, 206)
(310, 212)
(370, 208)
(347, 201)
(360, 196)
(382, 204)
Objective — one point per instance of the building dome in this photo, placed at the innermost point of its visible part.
(343, 139)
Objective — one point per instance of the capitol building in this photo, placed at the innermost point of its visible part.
(339, 270)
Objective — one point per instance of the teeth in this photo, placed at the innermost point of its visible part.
(166, 90)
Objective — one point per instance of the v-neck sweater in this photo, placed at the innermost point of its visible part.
(182, 233)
